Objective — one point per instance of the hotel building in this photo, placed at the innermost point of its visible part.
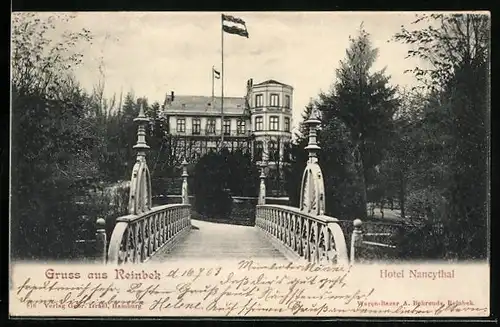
(259, 123)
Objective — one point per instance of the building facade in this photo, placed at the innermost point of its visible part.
(259, 123)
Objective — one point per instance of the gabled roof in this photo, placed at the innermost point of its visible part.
(272, 81)
(203, 105)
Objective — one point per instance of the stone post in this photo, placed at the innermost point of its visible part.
(262, 187)
(101, 241)
(356, 239)
(185, 195)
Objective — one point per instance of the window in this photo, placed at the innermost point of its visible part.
(259, 123)
(258, 150)
(273, 151)
(211, 126)
(241, 126)
(275, 100)
(287, 124)
(227, 126)
(259, 100)
(287, 101)
(181, 125)
(196, 126)
(274, 123)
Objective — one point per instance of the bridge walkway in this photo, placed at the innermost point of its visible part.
(210, 241)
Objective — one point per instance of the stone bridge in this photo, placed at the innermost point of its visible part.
(282, 233)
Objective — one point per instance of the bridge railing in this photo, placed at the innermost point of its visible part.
(307, 231)
(314, 238)
(145, 230)
(323, 239)
(136, 238)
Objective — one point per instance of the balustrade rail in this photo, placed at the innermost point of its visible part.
(314, 238)
(136, 238)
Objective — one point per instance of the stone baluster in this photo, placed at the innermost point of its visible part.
(262, 188)
(185, 195)
(101, 242)
(356, 239)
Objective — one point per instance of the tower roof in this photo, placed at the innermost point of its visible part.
(272, 81)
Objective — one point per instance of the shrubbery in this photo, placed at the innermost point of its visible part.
(219, 176)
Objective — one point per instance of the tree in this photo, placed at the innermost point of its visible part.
(365, 103)
(52, 137)
(399, 165)
(455, 48)
(39, 62)
(243, 175)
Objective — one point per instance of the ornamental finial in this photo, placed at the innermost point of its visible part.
(185, 175)
(263, 166)
(313, 122)
(184, 168)
(262, 186)
(141, 145)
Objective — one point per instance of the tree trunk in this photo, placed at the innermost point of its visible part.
(402, 191)
(363, 173)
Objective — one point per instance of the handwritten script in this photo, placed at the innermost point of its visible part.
(246, 288)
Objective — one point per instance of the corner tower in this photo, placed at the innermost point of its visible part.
(270, 104)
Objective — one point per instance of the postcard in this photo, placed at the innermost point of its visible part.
(250, 164)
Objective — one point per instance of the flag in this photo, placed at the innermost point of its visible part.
(216, 73)
(239, 29)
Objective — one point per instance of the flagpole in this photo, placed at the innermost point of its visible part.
(222, 80)
(213, 91)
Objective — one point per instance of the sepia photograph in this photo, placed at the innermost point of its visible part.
(274, 153)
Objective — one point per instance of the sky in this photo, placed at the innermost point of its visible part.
(153, 53)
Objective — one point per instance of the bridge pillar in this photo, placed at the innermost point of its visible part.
(140, 183)
(185, 194)
(312, 190)
(356, 238)
(101, 241)
(262, 187)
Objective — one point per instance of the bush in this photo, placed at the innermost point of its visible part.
(218, 176)
(426, 204)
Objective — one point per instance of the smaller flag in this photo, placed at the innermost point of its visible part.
(239, 29)
(216, 73)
